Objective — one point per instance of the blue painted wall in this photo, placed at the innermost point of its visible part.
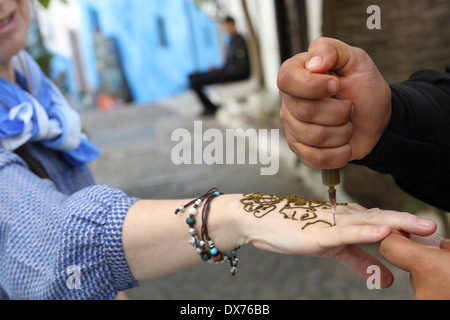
(160, 42)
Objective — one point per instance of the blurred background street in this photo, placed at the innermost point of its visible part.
(136, 144)
(125, 65)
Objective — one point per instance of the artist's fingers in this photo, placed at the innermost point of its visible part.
(296, 81)
(396, 220)
(326, 54)
(319, 158)
(401, 251)
(364, 265)
(434, 240)
(317, 135)
(325, 111)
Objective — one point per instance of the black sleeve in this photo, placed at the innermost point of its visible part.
(415, 148)
(238, 64)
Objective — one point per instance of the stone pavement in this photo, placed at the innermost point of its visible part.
(136, 157)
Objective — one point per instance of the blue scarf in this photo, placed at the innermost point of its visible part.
(36, 111)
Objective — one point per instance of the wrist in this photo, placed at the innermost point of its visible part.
(226, 223)
(232, 226)
(371, 134)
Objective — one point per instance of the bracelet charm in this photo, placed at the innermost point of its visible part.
(211, 255)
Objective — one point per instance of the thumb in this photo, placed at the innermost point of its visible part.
(331, 55)
(401, 251)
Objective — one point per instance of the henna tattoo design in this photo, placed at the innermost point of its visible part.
(261, 204)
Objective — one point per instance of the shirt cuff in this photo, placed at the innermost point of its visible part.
(93, 242)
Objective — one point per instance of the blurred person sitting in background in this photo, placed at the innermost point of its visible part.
(236, 68)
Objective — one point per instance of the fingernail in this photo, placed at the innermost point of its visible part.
(333, 86)
(426, 223)
(314, 62)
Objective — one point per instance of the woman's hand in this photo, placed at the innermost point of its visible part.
(284, 232)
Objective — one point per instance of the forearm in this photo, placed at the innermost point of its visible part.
(156, 240)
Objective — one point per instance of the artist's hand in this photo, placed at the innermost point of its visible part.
(428, 264)
(335, 104)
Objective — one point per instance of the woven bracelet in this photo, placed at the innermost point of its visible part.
(207, 253)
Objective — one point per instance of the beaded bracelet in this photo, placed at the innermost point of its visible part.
(213, 254)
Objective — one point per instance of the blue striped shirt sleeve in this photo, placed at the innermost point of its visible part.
(58, 246)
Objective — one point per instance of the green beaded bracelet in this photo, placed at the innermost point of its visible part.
(213, 254)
